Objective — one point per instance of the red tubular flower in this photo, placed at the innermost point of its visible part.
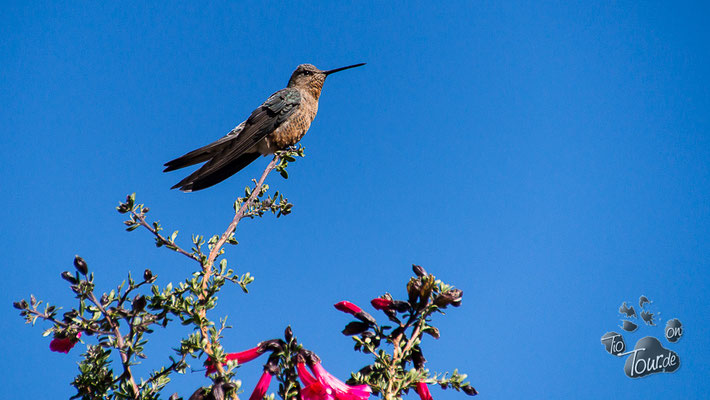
(303, 373)
(423, 391)
(312, 390)
(337, 388)
(241, 358)
(63, 345)
(348, 307)
(261, 387)
(381, 304)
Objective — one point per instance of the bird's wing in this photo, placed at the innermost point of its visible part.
(204, 153)
(224, 153)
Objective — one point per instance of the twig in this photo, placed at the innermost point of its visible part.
(55, 321)
(166, 371)
(169, 244)
(119, 343)
(216, 250)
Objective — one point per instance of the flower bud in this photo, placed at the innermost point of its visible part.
(80, 265)
(355, 328)
(381, 304)
(69, 277)
(469, 390)
(139, 303)
(452, 297)
(419, 270)
(148, 275)
(417, 357)
(365, 317)
(20, 305)
(400, 306)
(271, 345)
(347, 307)
(413, 288)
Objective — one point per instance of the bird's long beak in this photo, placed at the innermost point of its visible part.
(332, 71)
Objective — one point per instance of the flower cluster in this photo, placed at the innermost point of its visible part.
(324, 386)
(425, 295)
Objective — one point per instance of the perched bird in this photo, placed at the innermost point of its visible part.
(280, 122)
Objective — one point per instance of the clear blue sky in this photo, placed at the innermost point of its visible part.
(552, 160)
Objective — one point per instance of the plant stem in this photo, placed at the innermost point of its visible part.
(166, 242)
(216, 250)
(119, 343)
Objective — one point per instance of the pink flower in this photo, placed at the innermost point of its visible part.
(423, 391)
(313, 390)
(325, 386)
(241, 358)
(63, 345)
(381, 304)
(348, 307)
(261, 387)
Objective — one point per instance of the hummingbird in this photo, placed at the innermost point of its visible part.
(281, 121)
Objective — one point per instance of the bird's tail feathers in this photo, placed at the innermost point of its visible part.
(206, 176)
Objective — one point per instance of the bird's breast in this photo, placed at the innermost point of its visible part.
(291, 131)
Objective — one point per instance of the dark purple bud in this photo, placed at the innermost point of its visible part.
(419, 270)
(272, 366)
(355, 328)
(365, 317)
(271, 345)
(148, 275)
(80, 265)
(310, 357)
(469, 390)
(449, 297)
(139, 303)
(20, 305)
(413, 288)
(69, 277)
(418, 358)
(288, 334)
(400, 306)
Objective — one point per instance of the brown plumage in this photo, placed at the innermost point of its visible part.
(280, 122)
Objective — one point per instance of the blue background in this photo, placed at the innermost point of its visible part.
(551, 160)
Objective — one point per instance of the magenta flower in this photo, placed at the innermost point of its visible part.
(241, 358)
(63, 344)
(324, 386)
(261, 387)
(348, 307)
(303, 373)
(312, 390)
(381, 304)
(423, 391)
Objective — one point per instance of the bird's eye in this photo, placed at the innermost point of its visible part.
(307, 72)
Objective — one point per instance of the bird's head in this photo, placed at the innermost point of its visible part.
(308, 77)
